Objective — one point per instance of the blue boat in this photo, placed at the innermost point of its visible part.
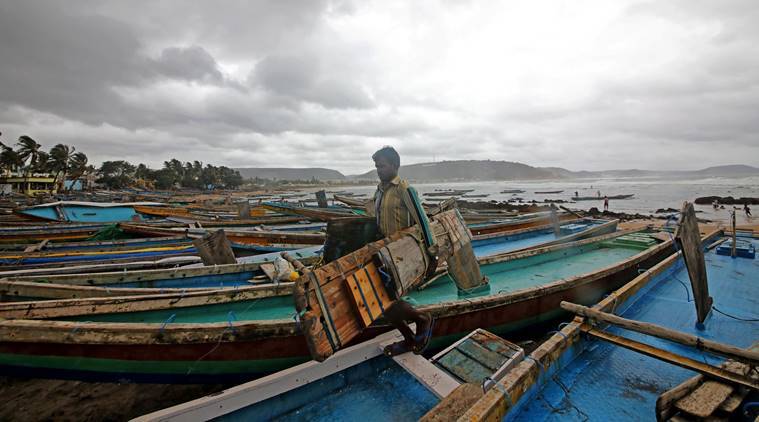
(84, 212)
(576, 376)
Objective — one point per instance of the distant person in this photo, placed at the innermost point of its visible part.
(606, 203)
(392, 215)
(598, 193)
(715, 204)
(747, 210)
(577, 195)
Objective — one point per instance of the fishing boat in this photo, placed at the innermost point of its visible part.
(548, 191)
(600, 198)
(353, 202)
(253, 240)
(53, 232)
(315, 213)
(514, 223)
(512, 191)
(23, 259)
(643, 364)
(448, 192)
(358, 383)
(84, 212)
(244, 338)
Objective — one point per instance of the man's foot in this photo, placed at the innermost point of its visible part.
(423, 334)
(397, 348)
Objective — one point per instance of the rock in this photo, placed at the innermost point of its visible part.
(727, 200)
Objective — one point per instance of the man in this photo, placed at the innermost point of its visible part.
(747, 210)
(392, 215)
(606, 203)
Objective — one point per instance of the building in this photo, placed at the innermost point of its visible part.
(31, 185)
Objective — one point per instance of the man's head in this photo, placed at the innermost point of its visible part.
(386, 161)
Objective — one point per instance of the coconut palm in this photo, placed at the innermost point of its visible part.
(9, 159)
(29, 150)
(60, 162)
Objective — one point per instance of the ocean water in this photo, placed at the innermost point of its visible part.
(650, 193)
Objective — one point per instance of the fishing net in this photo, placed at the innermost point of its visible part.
(110, 232)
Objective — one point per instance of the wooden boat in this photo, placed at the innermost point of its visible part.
(315, 213)
(532, 220)
(84, 212)
(97, 245)
(512, 191)
(196, 211)
(549, 191)
(451, 192)
(208, 343)
(260, 241)
(98, 267)
(481, 195)
(358, 382)
(634, 385)
(600, 198)
(54, 233)
(353, 202)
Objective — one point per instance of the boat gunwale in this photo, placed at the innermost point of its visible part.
(495, 405)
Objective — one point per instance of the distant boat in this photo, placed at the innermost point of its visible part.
(598, 198)
(512, 191)
(480, 195)
(449, 192)
(549, 191)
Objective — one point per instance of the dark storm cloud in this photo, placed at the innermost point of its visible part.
(294, 83)
(191, 64)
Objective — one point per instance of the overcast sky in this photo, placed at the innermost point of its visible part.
(578, 84)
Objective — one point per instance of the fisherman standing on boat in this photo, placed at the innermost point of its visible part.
(392, 215)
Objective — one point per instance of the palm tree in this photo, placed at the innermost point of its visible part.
(9, 159)
(29, 149)
(78, 166)
(60, 160)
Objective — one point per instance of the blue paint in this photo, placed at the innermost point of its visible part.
(375, 390)
(84, 214)
(629, 382)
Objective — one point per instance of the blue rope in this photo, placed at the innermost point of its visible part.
(169, 320)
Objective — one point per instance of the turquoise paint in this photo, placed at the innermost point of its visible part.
(85, 214)
(504, 277)
(630, 382)
(507, 243)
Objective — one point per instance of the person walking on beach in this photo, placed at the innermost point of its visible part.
(747, 210)
(392, 215)
(606, 203)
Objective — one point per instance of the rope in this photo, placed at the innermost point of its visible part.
(169, 320)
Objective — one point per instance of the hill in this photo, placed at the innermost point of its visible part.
(466, 170)
(281, 173)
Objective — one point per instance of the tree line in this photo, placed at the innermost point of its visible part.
(64, 162)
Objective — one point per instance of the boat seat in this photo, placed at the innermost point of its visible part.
(743, 249)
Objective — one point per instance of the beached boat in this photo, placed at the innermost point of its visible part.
(514, 223)
(600, 198)
(25, 259)
(84, 212)
(210, 342)
(54, 232)
(197, 211)
(315, 213)
(353, 202)
(358, 383)
(254, 240)
(637, 373)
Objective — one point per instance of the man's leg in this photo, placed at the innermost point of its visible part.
(402, 311)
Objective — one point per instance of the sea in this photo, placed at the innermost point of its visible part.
(649, 194)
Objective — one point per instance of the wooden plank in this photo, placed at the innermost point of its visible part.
(455, 404)
(321, 199)
(432, 377)
(487, 358)
(215, 249)
(464, 367)
(38, 247)
(732, 352)
(688, 238)
(705, 399)
(669, 357)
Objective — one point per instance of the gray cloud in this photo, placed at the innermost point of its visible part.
(290, 83)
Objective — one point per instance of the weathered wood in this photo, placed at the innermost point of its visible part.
(321, 199)
(215, 249)
(243, 210)
(38, 247)
(455, 404)
(728, 351)
(705, 399)
(555, 222)
(669, 357)
(689, 239)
